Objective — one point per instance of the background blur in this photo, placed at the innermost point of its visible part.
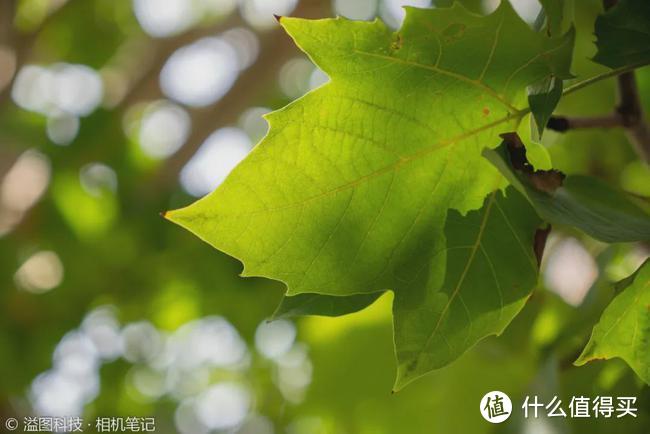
(114, 110)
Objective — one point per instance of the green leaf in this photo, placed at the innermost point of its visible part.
(622, 35)
(551, 14)
(323, 305)
(544, 95)
(474, 286)
(624, 327)
(349, 191)
(558, 13)
(542, 99)
(586, 203)
(345, 188)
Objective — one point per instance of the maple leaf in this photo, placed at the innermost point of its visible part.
(350, 191)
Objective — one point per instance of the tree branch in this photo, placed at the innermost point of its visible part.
(7, 36)
(631, 112)
(143, 75)
(565, 123)
(275, 51)
(628, 114)
(20, 43)
(253, 84)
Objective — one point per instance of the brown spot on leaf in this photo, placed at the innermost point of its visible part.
(547, 180)
(453, 32)
(486, 111)
(543, 180)
(397, 43)
(517, 152)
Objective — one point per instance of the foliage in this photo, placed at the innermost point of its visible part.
(623, 329)
(584, 202)
(360, 176)
(124, 269)
(622, 35)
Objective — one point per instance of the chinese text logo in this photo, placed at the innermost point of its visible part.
(496, 406)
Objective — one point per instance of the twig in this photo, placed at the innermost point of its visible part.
(630, 108)
(602, 76)
(631, 112)
(7, 36)
(565, 123)
(628, 115)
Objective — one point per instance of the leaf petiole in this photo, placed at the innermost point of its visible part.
(603, 76)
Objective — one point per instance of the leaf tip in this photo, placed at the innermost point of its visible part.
(588, 355)
(406, 373)
(584, 359)
(400, 383)
(169, 215)
(278, 18)
(179, 216)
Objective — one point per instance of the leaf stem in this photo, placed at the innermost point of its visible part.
(603, 76)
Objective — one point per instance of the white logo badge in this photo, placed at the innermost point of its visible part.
(496, 407)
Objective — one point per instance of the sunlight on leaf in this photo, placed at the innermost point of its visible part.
(349, 191)
(624, 328)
